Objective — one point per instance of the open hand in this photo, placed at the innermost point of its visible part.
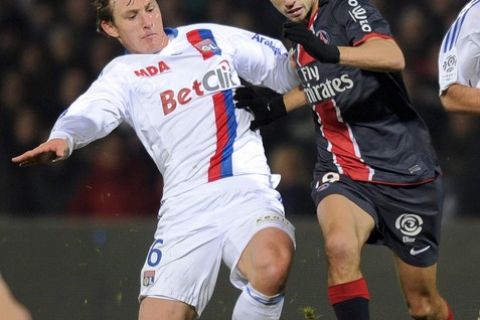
(50, 151)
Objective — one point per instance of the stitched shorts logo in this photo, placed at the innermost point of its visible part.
(330, 177)
(409, 224)
(414, 251)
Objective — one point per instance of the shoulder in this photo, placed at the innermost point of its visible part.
(355, 9)
(117, 64)
(468, 19)
(214, 27)
(121, 68)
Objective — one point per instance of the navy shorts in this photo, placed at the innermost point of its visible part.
(407, 218)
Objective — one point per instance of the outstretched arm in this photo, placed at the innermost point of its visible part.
(267, 110)
(49, 151)
(460, 98)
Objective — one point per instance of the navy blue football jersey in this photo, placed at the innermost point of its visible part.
(366, 126)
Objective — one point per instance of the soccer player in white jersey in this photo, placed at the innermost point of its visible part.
(175, 89)
(459, 62)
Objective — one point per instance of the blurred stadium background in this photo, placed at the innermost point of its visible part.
(73, 236)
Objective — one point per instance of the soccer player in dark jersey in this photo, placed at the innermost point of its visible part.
(377, 179)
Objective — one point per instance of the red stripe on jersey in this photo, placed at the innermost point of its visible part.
(303, 57)
(342, 142)
(215, 168)
(372, 36)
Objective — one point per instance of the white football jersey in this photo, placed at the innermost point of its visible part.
(459, 57)
(180, 103)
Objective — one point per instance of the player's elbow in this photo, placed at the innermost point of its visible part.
(448, 103)
(397, 61)
(399, 64)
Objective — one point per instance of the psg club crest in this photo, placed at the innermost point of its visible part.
(148, 278)
(323, 35)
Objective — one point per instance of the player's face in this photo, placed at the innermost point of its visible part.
(295, 10)
(138, 25)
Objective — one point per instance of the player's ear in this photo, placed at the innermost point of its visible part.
(109, 28)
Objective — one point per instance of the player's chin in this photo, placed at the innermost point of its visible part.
(296, 18)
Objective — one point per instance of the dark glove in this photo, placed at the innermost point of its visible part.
(299, 33)
(264, 110)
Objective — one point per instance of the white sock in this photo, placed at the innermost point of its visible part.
(253, 305)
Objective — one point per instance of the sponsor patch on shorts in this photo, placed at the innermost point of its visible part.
(148, 277)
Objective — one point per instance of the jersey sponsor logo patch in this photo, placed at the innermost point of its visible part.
(220, 78)
(328, 89)
(269, 43)
(449, 63)
(152, 70)
(448, 73)
(359, 15)
(409, 224)
(415, 252)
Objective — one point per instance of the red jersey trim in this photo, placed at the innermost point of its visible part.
(371, 36)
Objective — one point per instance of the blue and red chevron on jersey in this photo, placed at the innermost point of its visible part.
(226, 124)
(204, 42)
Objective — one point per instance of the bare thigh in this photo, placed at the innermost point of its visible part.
(163, 309)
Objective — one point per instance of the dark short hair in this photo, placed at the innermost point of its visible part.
(104, 12)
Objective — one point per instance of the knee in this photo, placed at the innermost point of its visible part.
(271, 274)
(341, 249)
(276, 269)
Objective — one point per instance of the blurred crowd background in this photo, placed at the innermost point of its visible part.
(50, 52)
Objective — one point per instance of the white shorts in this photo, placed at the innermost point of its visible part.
(199, 228)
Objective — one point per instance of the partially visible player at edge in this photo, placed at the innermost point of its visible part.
(459, 62)
(175, 88)
(11, 308)
(377, 179)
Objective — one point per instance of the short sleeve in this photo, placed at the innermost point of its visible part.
(459, 56)
(362, 20)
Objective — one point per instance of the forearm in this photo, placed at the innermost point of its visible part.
(460, 98)
(294, 99)
(381, 55)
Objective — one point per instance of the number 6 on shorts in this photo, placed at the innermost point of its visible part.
(155, 254)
